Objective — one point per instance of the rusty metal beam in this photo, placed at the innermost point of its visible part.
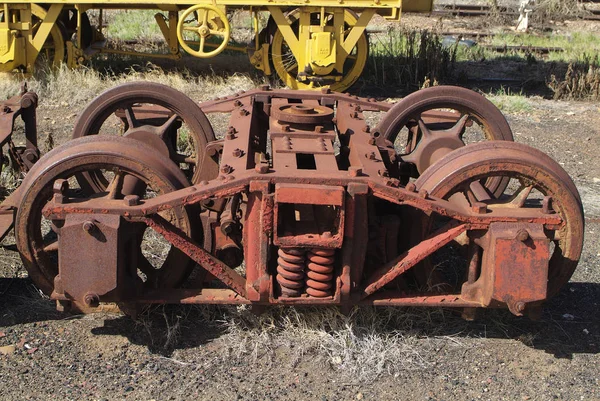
(208, 262)
(387, 273)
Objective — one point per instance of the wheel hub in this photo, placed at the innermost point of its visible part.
(302, 114)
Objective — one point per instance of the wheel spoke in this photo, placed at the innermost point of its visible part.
(181, 158)
(459, 128)
(424, 129)
(130, 116)
(517, 200)
(201, 46)
(163, 129)
(116, 185)
(52, 246)
(191, 28)
(216, 32)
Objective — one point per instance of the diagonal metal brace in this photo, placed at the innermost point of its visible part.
(410, 258)
(208, 262)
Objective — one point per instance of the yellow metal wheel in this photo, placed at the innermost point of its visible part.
(207, 22)
(53, 50)
(286, 66)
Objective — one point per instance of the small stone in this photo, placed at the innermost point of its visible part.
(7, 349)
(359, 396)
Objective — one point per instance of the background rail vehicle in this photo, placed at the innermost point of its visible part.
(300, 201)
(308, 43)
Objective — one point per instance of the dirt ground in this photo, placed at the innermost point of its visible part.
(228, 353)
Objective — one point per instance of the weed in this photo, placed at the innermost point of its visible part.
(406, 59)
(581, 81)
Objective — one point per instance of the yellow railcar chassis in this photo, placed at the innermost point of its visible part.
(307, 43)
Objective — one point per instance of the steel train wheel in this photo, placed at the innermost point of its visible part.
(428, 141)
(36, 237)
(174, 117)
(532, 175)
(286, 67)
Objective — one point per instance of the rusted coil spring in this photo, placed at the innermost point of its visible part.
(290, 271)
(320, 272)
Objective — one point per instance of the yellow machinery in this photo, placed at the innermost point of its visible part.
(307, 43)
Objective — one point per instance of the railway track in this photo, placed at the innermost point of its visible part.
(467, 10)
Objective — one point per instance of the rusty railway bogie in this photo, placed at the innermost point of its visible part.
(317, 205)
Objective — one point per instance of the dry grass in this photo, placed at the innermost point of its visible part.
(76, 87)
(545, 11)
(581, 82)
(366, 344)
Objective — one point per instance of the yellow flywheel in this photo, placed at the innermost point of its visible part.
(203, 31)
(286, 67)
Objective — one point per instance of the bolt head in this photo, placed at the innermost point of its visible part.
(88, 226)
(237, 152)
(355, 171)
(91, 300)
(522, 235)
(479, 207)
(131, 200)
(226, 169)
(262, 168)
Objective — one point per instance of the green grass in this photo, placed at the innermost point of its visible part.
(511, 103)
(578, 46)
(133, 24)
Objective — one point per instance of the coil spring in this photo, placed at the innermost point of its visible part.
(320, 272)
(290, 271)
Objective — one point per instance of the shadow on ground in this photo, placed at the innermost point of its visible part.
(384, 76)
(569, 325)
